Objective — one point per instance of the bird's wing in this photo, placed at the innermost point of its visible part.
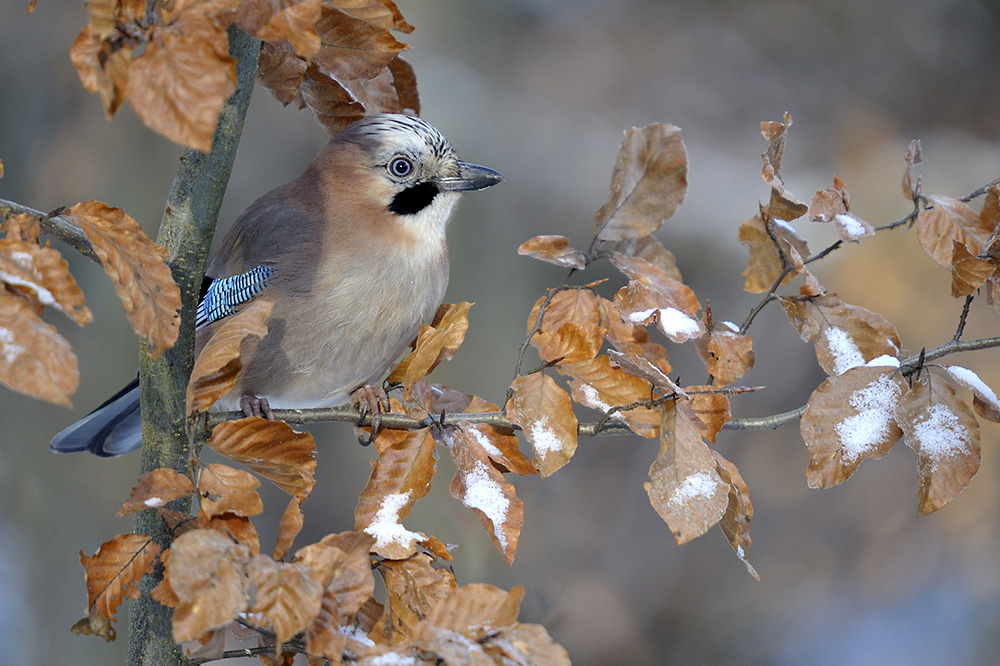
(221, 296)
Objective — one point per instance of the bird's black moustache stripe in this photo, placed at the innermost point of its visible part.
(414, 199)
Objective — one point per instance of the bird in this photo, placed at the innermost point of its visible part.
(352, 256)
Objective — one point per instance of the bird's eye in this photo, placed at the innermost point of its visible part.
(400, 167)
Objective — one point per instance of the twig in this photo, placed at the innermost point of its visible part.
(247, 652)
(962, 318)
(57, 226)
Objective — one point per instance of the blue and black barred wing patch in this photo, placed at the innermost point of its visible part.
(224, 294)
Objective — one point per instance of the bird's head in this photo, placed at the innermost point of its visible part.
(408, 169)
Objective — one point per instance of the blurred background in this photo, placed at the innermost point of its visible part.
(542, 90)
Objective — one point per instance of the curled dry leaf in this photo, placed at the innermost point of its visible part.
(376, 95)
(985, 401)
(404, 80)
(179, 84)
(946, 220)
(913, 157)
(381, 13)
(138, 270)
(435, 343)
(293, 21)
(525, 645)
(651, 250)
(206, 573)
(684, 484)
(353, 582)
(217, 366)
(280, 71)
(475, 610)
(103, 67)
(783, 204)
(287, 597)
(332, 106)
(600, 385)
(270, 448)
(555, 250)
(943, 433)
(573, 343)
(224, 489)
(41, 275)
(114, 572)
(20, 226)
(845, 335)
(236, 527)
(850, 418)
(712, 409)
(580, 306)
(648, 183)
(767, 242)
(353, 48)
(968, 272)
(480, 486)
(155, 488)
(414, 586)
(288, 528)
(833, 204)
(500, 447)
(735, 522)
(544, 412)
(34, 358)
(401, 475)
(728, 354)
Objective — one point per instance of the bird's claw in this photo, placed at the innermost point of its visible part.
(254, 406)
(374, 401)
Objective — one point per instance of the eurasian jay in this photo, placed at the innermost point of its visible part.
(352, 255)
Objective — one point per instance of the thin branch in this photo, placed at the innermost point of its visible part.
(980, 191)
(962, 318)
(57, 226)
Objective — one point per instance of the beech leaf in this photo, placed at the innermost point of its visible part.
(114, 572)
(42, 275)
(293, 21)
(137, 268)
(155, 488)
(946, 220)
(985, 401)
(439, 341)
(224, 489)
(648, 183)
(728, 354)
(270, 448)
(544, 412)
(913, 157)
(287, 596)
(281, 72)
(555, 250)
(475, 610)
(331, 105)
(289, 527)
(735, 523)
(765, 262)
(600, 385)
(34, 358)
(783, 204)
(968, 272)
(353, 48)
(414, 586)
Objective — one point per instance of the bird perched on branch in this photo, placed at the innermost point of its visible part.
(352, 256)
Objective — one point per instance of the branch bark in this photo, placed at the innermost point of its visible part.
(186, 231)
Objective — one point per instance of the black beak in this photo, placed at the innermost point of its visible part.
(470, 177)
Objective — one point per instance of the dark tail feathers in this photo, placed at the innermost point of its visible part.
(110, 430)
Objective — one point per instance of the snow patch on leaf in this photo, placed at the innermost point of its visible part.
(485, 494)
(543, 437)
(875, 404)
(846, 354)
(941, 434)
(385, 526)
(701, 484)
(883, 361)
(973, 381)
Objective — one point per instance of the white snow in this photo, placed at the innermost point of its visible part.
(731, 326)
(640, 316)
(940, 434)
(846, 354)
(385, 526)
(972, 381)
(876, 405)
(391, 659)
(484, 441)
(883, 361)
(154, 502)
(592, 398)
(355, 632)
(485, 494)
(543, 437)
(43, 294)
(675, 322)
(851, 225)
(8, 347)
(694, 486)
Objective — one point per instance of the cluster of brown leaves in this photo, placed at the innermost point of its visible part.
(34, 358)
(172, 61)
(690, 485)
(866, 404)
(320, 600)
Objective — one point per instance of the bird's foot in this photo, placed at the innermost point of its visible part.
(254, 406)
(370, 400)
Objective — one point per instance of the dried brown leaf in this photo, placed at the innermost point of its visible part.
(333, 107)
(649, 249)
(600, 385)
(501, 447)
(206, 573)
(414, 586)
(765, 263)
(436, 342)
(648, 183)
(712, 409)
(653, 296)
(381, 13)
(912, 158)
(20, 226)
(544, 412)
(727, 353)
(525, 645)
(943, 433)
(280, 71)
(270, 448)
(293, 21)
(155, 488)
(236, 527)
(34, 358)
(218, 364)
(179, 84)
(401, 475)
(224, 489)
(783, 204)
(572, 343)
(833, 204)
(684, 484)
(985, 401)
(42, 275)
(569, 305)
(968, 272)
(845, 335)
(353, 581)
(353, 48)
(946, 220)
(475, 610)
(555, 250)
(114, 572)
(480, 486)
(138, 270)
(404, 80)
(287, 597)
(851, 418)
(288, 528)
(735, 523)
